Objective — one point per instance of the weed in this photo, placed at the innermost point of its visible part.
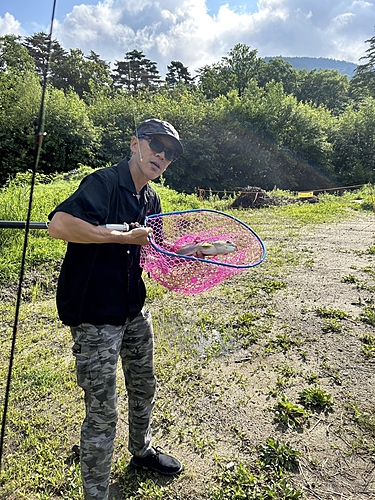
(325, 312)
(280, 382)
(289, 414)
(364, 418)
(332, 325)
(248, 335)
(278, 455)
(332, 371)
(304, 355)
(286, 370)
(312, 378)
(368, 315)
(272, 286)
(282, 341)
(245, 328)
(316, 398)
(368, 345)
(240, 484)
(248, 318)
(350, 278)
(149, 490)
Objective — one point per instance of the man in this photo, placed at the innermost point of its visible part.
(101, 295)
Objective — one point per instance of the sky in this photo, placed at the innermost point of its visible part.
(198, 32)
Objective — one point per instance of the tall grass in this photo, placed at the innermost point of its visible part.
(50, 191)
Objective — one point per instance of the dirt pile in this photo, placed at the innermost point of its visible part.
(256, 197)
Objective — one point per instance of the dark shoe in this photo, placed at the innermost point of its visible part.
(158, 462)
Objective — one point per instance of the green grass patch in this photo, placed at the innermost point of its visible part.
(244, 482)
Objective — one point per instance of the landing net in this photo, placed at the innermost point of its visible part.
(189, 274)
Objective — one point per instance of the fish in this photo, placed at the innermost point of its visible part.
(208, 248)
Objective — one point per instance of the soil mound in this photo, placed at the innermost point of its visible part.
(256, 197)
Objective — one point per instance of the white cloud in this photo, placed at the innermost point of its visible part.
(9, 25)
(184, 30)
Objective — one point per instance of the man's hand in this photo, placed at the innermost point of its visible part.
(139, 236)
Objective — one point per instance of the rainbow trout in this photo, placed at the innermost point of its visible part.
(211, 248)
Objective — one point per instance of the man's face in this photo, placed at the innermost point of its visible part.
(151, 162)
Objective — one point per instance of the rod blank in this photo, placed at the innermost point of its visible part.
(11, 224)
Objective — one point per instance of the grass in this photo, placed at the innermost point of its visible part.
(217, 355)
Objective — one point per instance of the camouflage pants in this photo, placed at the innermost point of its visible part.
(96, 350)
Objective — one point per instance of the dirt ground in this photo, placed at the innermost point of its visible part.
(340, 277)
(336, 272)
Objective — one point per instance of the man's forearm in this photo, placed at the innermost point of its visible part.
(66, 227)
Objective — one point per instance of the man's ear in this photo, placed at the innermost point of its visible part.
(134, 144)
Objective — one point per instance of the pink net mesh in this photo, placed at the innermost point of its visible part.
(190, 274)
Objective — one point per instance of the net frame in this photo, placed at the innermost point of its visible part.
(190, 274)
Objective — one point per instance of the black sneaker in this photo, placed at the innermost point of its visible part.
(157, 461)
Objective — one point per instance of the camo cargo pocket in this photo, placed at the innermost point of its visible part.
(88, 369)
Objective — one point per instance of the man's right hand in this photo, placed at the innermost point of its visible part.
(139, 236)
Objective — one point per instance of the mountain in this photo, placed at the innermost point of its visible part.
(310, 63)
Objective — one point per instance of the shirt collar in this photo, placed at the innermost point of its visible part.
(126, 179)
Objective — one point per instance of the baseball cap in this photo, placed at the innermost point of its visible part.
(154, 126)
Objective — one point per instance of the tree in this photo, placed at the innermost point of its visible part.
(324, 87)
(178, 74)
(71, 137)
(20, 101)
(353, 140)
(243, 64)
(135, 73)
(363, 83)
(38, 48)
(233, 72)
(214, 80)
(369, 66)
(99, 71)
(13, 56)
(278, 140)
(278, 70)
(81, 73)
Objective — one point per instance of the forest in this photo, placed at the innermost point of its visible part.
(243, 121)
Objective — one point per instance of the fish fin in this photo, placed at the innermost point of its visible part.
(206, 244)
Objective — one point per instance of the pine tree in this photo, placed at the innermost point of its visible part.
(135, 73)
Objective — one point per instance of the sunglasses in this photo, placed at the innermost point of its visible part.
(158, 147)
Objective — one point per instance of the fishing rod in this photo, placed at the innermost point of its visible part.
(12, 224)
(37, 151)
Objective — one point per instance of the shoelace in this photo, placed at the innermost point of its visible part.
(156, 451)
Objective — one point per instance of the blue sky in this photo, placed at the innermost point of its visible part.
(39, 12)
(199, 32)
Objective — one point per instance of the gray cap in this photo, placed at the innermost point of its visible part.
(160, 127)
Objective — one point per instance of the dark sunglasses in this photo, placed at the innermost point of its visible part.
(158, 147)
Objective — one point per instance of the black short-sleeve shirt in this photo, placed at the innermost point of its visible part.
(102, 283)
